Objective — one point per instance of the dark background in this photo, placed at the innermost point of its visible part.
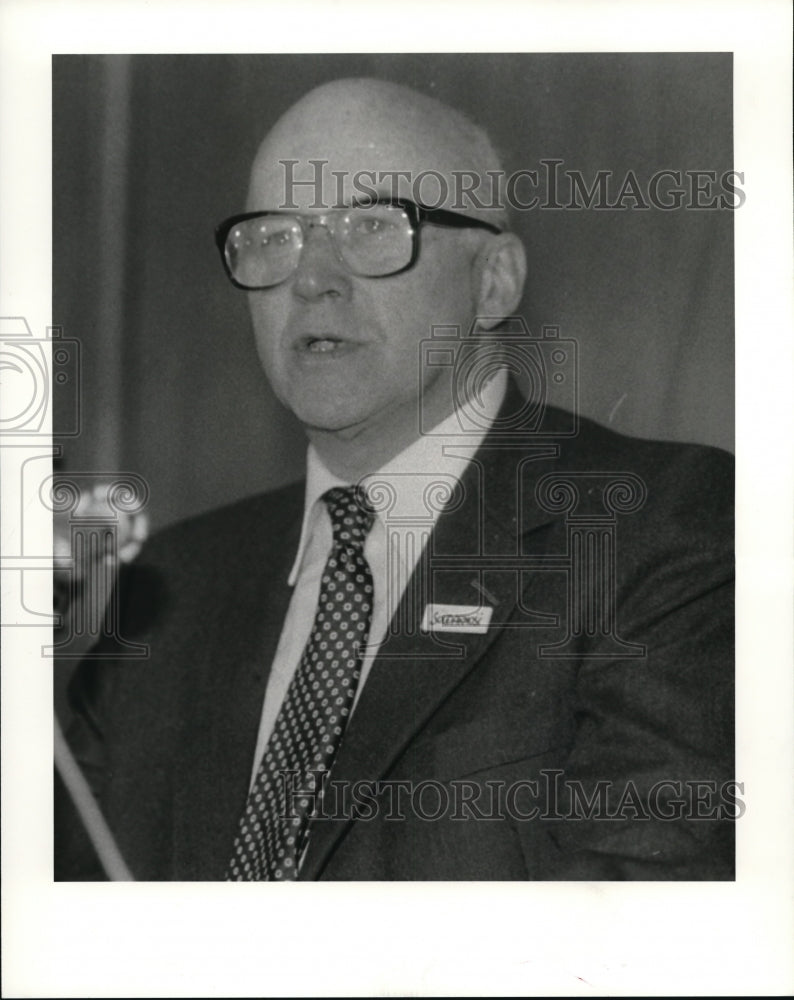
(149, 152)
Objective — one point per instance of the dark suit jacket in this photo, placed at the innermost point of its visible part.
(627, 695)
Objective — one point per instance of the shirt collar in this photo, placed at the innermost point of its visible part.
(428, 454)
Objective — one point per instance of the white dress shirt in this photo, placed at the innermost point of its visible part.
(431, 457)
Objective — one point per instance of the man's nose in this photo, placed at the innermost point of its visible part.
(320, 271)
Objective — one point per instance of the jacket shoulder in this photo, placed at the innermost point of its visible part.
(251, 520)
(700, 476)
(594, 441)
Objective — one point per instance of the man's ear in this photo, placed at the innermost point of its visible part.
(502, 269)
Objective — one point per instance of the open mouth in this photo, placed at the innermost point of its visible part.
(323, 343)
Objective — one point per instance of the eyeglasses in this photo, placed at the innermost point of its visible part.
(373, 239)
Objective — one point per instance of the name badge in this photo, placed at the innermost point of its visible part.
(456, 618)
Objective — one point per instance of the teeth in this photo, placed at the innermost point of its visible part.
(323, 346)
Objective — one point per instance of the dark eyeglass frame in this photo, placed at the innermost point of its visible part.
(417, 216)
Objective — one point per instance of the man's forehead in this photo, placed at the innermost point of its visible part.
(323, 180)
(345, 139)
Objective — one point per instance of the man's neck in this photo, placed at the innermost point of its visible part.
(352, 456)
(353, 453)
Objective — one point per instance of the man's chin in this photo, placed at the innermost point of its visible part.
(320, 422)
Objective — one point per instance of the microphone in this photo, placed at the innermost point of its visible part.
(94, 822)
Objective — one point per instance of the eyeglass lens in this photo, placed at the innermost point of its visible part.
(373, 240)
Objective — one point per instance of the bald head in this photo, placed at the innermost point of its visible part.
(368, 135)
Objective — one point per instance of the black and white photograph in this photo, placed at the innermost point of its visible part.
(487, 632)
(384, 422)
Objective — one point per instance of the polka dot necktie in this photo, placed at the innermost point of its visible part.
(272, 833)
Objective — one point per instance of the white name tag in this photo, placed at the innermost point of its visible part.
(456, 618)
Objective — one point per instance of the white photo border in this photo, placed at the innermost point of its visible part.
(361, 939)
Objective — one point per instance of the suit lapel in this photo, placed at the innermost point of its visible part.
(221, 731)
(413, 674)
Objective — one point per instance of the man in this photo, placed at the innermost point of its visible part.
(483, 640)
